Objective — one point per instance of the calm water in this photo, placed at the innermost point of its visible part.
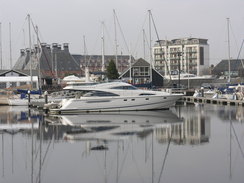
(186, 144)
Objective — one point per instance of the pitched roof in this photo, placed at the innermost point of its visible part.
(141, 62)
(235, 65)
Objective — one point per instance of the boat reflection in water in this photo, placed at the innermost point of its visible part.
(113, 125)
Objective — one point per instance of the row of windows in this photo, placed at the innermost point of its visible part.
(141, 71)
(106, 94)
(14, 84)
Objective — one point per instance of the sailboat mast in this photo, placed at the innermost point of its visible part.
(228, 32)
(131, 69)
(115, 41)
(1, 51)
(150, 46)
(87, 75)
(144, 44)
(10, 46)
(38, 57)
(103, 50)
(30, 50)
(84, 45)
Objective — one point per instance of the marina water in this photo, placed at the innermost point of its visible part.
(188, 143)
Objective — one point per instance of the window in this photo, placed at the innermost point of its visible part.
(3, 85)
(124, 87)
(22, 83)
(99, 94)
(13, 84)
(34, 85)
(146, 94)
(201, 56)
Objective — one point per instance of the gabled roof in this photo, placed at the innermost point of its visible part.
(4, 72)
(235, 65)
(140, 62)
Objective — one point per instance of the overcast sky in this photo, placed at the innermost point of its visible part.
(68, 21)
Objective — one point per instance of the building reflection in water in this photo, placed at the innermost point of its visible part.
(194, 130)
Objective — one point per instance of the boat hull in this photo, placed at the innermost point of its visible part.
(104, 104)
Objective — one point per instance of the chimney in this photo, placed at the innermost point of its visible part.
(55, 46)
(66, 47)
(43, 45)
(48, 46)
(37, 50)
(59, 47)
(32, 51)
(22, 52)
(27, 50)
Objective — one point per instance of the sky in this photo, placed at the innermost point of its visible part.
(79, 23)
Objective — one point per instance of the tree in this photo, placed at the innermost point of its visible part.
(112, 72)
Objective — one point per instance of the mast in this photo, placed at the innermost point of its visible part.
(30, 51)
(1, 51)
(228, 31)
(87, 75)
(130, 69)
(115, 41)
(10, 46)
(144, 42)
(150, 46)
(103, 50)
(84, 43)
(38, 51)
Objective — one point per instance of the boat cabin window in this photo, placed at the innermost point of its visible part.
(124, 87)
(147, 94)
(99, 94)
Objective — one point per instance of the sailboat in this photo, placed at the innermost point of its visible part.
(22, 99)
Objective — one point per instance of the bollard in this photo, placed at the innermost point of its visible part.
(46, 97)
(29, 100)
(202, 91)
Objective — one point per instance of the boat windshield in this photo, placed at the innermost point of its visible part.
(100, 94)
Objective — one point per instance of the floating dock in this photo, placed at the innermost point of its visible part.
(191, 99)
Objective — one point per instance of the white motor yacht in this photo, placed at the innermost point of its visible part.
(116, 96)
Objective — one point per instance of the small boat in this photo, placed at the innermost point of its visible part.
(116, 96)
(174, 75)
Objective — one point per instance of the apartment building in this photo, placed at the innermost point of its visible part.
(191, 55)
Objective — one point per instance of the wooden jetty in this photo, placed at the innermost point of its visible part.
(191, 99)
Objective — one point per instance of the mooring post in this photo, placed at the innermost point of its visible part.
(29, 100)
(202, 91)
(46, 97)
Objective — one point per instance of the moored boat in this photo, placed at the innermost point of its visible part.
(116, 96)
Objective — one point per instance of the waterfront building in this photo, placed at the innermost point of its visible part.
(191, 55)
(55, 62)
(94, 62)
(11, 79)
(139, 74)
(236, 68)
